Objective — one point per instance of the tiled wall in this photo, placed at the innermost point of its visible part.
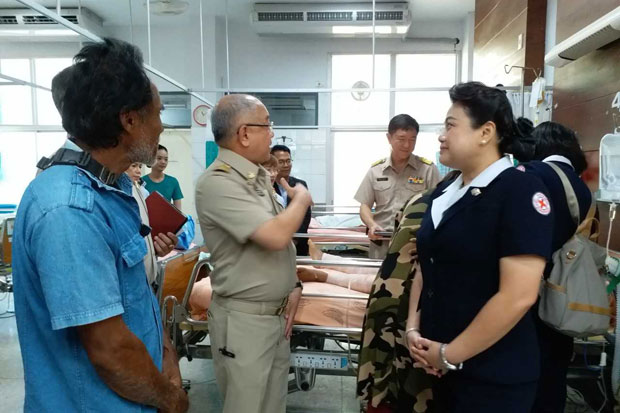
(310, 158)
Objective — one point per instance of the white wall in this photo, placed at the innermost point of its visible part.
(304, 62)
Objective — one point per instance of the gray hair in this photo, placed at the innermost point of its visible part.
(226, 113)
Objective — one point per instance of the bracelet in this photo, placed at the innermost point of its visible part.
(409, 330)
(444, 362)
(299, 285)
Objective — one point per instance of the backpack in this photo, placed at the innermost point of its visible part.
(573, 299)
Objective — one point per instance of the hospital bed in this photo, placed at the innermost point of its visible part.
(334, 314)
(338, 228)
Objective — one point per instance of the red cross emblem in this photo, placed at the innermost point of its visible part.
(541, 203)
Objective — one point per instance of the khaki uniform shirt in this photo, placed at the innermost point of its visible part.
(389, 190)
(234, 198)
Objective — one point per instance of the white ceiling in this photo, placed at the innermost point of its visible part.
(116, 12)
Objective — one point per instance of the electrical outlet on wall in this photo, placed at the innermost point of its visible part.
(520, 41)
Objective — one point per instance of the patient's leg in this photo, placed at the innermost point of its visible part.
(200, 299)
(315, 253)
(306, 274)
(356, 282)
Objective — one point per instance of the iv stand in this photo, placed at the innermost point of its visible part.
(537, 72)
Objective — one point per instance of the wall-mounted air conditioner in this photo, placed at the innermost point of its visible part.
(331, 19)
(28, 25)
(603, 31)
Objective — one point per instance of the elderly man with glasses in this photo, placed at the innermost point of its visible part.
(249, 235)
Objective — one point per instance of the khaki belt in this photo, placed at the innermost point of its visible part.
(252, 307)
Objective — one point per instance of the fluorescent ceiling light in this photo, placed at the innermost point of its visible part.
(38, 33)
(368, 29)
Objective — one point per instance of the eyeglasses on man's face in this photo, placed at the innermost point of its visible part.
(263, 125)
(283, 162)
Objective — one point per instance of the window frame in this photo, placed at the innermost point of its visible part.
(35, 126)
(424, 127)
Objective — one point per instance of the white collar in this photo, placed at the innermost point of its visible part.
(456, 190)
(558, 158)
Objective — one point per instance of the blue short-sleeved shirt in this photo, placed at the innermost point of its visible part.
(78, 259)
(460, 268)
(169, 187)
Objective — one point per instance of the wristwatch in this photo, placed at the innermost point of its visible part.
(444, 362)
(299, 285)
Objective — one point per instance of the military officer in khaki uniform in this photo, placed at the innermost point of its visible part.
(390, 182)
(249, 236)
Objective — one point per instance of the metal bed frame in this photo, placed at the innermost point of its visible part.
(308, 354)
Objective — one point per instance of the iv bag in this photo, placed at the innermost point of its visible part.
(609, 168)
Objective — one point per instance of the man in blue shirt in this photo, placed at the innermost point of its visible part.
(89, 325)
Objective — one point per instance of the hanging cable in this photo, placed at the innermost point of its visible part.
(202, 48)
(227, 52)
(130, 21)
(80, 17)
(148, 28)
(373, 44)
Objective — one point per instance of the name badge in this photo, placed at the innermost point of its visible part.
(382, 179)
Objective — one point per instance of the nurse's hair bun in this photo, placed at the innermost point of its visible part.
(522, 146)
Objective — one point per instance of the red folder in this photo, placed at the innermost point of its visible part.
(163, 216)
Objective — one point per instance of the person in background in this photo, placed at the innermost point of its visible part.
(391, 181)
(89, 325)
(482, 247)
(272, 167)
(285, 164)
(553, 143)
(249, 235)
(135, 173)
(168, 186)
(159, 245)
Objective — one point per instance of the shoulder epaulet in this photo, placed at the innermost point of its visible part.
(426, 161)
(379, 162)
(223, 168)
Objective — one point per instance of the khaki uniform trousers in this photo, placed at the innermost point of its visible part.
(378, 252)
(250, 355)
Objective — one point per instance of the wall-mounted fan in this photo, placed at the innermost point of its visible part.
(360, 94)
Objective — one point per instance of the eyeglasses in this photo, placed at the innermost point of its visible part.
(406, 141)
(284, 162)
(268, 125)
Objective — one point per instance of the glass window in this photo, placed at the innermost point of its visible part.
(49, 142)
(15, 101)
(291, 109)
(45, 70)
(427, 145)
(360, 108)
(354, 153)
(17, 165)
(425, 107)
(425, 70)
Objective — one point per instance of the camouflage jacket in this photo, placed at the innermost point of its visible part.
(386, 373)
